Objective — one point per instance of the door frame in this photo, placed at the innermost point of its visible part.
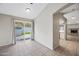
(56, 15)
(13, 33)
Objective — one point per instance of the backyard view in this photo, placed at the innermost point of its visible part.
(23, 30)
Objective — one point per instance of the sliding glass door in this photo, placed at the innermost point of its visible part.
(23, 30)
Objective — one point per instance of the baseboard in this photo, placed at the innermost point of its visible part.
(43, 45)
(6, 46)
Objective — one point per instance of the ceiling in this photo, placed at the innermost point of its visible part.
(70, 16)
(70, 8)
(72, 11)
(18, 9)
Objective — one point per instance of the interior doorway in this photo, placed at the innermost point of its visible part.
(65, 24)
(23, 30)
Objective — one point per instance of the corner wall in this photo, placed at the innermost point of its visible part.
(44, 25)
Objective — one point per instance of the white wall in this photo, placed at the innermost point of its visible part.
(73, 26)
(44, 25)
(5, 30)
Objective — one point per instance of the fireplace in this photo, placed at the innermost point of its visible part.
(74, 31)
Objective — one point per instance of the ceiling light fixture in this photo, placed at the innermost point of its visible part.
(31, 3)
(73, 17)
(27, 9)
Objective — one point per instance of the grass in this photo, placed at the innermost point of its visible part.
(26, 33)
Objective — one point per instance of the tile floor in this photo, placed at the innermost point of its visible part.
(26, 48)
(68, 47)
(33, 48)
